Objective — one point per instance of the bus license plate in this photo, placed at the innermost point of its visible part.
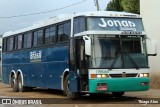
(101, 88)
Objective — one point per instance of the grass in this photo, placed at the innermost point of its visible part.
(155, 80)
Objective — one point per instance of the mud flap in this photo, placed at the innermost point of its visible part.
(73, 82)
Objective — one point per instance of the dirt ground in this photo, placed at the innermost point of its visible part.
(129, 98)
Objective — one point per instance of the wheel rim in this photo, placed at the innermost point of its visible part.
(68, 90)
(13, 81)
(20, 85)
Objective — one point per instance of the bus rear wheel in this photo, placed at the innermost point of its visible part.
(117, 94)
(14, 83)
(68, 92)
(21, 88)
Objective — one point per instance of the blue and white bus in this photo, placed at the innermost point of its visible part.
(88, 52)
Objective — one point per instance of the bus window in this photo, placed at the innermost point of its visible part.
(11, 43)
(35, 39)
(79, 24)
(27, 40)
(7, 44)
(40, 38)
(47, 36)
(52, 34)
(4, 45)
(15, 42)
(60, 33)
(67, 30)
(19, 41)
(64, 32)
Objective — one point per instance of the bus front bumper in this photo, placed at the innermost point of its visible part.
(118, 85)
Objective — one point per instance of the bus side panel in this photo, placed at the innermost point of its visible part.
(45, 73)
(5, 74)
(48, 72)
(7, 67)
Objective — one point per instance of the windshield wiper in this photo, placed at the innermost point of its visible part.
(133, 62)
(115, 60)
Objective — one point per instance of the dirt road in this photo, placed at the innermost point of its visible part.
(59, 98)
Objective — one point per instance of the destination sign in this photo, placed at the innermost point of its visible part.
(115, 24)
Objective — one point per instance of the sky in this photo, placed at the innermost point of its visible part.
(20, 7)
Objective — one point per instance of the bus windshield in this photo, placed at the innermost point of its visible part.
(118, 52)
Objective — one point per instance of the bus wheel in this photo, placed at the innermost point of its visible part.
(21, 88)
(68, 92)
(14, 83)
(117, 94)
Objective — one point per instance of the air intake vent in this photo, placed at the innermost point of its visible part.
(123, 75)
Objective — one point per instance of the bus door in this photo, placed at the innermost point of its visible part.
(81, 64)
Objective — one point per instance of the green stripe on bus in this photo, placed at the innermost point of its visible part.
(119, 84)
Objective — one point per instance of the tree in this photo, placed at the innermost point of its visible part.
(132, 6)
(114, 5)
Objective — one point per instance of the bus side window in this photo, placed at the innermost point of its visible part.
(79, 25)
(67, 30)
(64, 32)
(35, 36)
(15, 42)
(60, 33)
(19, 41)
(52, 33)
(46, 36)
(11, 43)
(40, 38)
(4, 44)
(27, 40)
(7, 44)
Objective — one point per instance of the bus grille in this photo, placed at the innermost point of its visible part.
(121, 75)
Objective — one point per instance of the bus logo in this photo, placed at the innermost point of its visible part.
(35, 56)
(102, 72)
(122, 24)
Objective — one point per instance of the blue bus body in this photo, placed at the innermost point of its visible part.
(45, 73)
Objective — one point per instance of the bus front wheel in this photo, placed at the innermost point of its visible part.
(68, 92)
(117, 94)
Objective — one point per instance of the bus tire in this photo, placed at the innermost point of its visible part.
(14, 83)
(68, 92)
(118, 94)
(21, 88)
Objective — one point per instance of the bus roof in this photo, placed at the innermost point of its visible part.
(64, 17)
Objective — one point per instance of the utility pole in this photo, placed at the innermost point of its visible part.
(97, 4)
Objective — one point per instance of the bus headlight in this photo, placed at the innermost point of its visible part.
(144, 75)
(99, 75)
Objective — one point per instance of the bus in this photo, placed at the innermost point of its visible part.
(92, 53)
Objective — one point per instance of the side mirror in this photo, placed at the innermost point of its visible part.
(152, 47)
(87, 41)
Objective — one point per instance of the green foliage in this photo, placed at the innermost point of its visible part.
(114, 5)
(132, 6)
